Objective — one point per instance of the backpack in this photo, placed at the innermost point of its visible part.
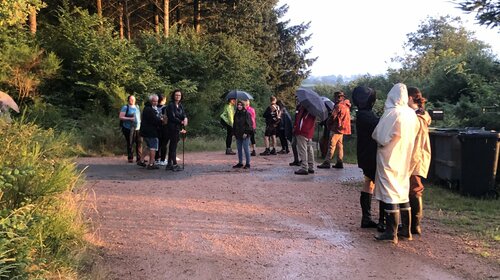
(126, 113)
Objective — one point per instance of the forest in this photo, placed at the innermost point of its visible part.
(70, 64)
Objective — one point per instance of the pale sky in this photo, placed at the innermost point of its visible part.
(361, 36)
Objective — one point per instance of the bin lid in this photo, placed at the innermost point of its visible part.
(445, 131)
(479, 134)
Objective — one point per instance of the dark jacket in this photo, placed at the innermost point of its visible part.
(271, 116)
(150, 122)
(242, 124)
(286, 124)
(175, 115)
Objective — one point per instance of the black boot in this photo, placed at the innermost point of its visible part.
(390, 233)
(417, 212)
(266, 152)
(339, 164)
(229, 151)
(381, 216)
(365, 200)
(273, 152)
(405, 231)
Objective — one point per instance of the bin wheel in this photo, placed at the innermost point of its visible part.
(491, 194)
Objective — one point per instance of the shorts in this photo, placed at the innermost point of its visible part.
(151, 143)
(270, 130)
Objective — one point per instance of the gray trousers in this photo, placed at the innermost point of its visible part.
(306, 152)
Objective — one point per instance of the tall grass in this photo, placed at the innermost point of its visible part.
(41, 231)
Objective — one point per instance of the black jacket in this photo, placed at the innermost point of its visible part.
(242, 124)
(366, 121)
(150, 122)
(175, 115)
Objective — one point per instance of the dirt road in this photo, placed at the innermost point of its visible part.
(213, 222)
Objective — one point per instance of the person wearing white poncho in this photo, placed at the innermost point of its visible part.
(395, 136)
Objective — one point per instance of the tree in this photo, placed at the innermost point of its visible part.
(487, 11)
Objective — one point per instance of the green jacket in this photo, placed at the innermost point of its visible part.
(228, 114)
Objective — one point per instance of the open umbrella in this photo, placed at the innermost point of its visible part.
(328, 103)
(6, 100)
(238, 94)
(312, 102)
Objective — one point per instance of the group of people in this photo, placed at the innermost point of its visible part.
(159, 125)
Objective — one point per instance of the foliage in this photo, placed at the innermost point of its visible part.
(487, 11)
(15, 12)
(40, 226)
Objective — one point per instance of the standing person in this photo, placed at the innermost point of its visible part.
(296, 161)
(176, 120)
(272, 117)
(149, 131)
(130, 119)
(285, 128)
(422, 158)
(227, 121)
(339, 124)
(251, 111)
(366, 121)
(395, 136)
(303, 129)
(242, 129)
(163, 133)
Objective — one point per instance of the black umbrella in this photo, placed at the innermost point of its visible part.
(328, 103)
(238, 94)
(312, 102)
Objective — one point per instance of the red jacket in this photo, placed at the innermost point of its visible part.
(304, 124)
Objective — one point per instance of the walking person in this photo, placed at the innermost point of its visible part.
(177, 120)
(227, 121)
(422, 158)
(303, 129)
(339, 124)
(395, 136)
(149, 131)
(272, 117)
(242, 129)
(364, 98)
(130, 120)
(251, 111)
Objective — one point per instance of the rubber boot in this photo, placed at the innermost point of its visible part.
(365, 200)
(405, 231)
(390, 234)
(381, 216)
(417, 212)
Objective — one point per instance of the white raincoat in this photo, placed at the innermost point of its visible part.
(395, 136)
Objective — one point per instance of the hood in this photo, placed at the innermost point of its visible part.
(364, 97)
(397, 97)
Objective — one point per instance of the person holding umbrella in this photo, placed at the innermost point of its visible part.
(227, 121)
(303, 130)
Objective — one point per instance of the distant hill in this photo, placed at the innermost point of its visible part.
(329, 80)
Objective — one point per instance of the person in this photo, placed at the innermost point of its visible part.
(227, 122)
(395, 136)
(149, 131)
(251, 111)
(296, 161)
(303, 129)
(366, 152)
(272, 116)
(422, 158)
(161, 154)
(285, 128)
(339, 124)
(177, 119)
(242, 129)
(130, 119)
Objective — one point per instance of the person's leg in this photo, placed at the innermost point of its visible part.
(310, 156)
(273, 143)
(340, 150)
(252, 140)
(416, 203)
(295, 152)
(239, 147)
(266, 143)
(329, 153)
(246, 149)
(163, 146)
(138, 144)
(302, 150)
(128, 141)
(365, 200)
(392, 218)
(405, 211)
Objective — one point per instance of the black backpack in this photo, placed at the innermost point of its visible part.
(126, 113)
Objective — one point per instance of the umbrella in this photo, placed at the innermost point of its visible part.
(312, 102)
(6, 100)
(238, 94)
(328, 103)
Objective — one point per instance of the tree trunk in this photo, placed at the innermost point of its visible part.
(99, 8)
(127, 18)
(32, 20)
(120, 10)
(166, 13)
(157, 19)
(196, 15)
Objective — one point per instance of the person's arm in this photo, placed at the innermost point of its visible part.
(123, 114)
(171, 114)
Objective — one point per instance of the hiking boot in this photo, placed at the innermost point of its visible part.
(239, 165)
(247, 166)
(339, 164)
(152, 166)
(273, 152)
(302, 172)
(141, 163)
(169, 166)
(266, 152)
(294, 163)
(310, 171)
(282, 152)
(229, 151)
(253, 153)
(325, 165)
(176, 167)
(130, 160)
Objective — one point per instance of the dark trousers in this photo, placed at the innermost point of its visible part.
(229, 136)
(133, 137)
(252, 137)
(283, 140)
(173, 138)
(294, 149)
(161, 154)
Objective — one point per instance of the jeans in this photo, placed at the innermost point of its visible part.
(245, 145)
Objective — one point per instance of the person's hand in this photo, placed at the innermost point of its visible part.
(183, 131)
(244, 136)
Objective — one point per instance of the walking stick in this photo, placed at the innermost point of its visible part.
(183, 132)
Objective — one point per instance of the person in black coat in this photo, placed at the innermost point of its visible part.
(176, 122)
(242, 129)
(366, 121)
(285, 128)
(150, 123)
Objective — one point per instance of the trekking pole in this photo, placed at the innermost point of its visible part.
(183, 132)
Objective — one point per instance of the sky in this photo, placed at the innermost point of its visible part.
(352, 37)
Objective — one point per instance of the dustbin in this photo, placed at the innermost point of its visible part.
(445, 155)
(479, 152)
